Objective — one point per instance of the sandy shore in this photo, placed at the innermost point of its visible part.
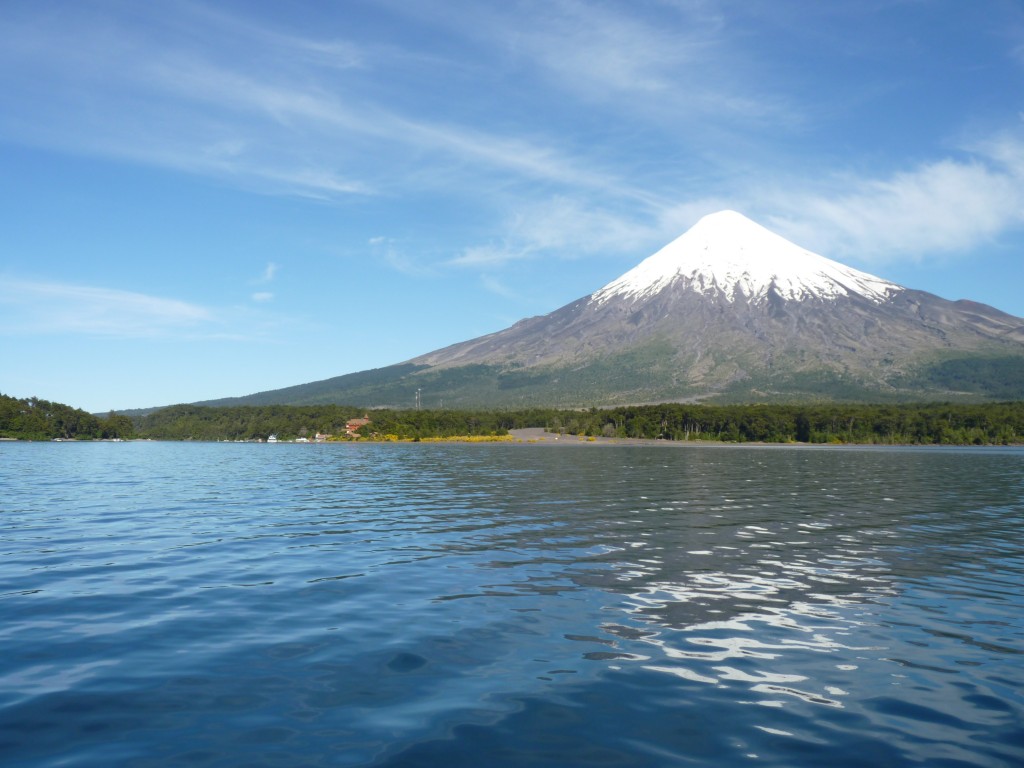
(537, 436)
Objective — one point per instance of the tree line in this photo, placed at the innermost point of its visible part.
(34, 419)
(917, 424)
(244, 422)
(257, 422)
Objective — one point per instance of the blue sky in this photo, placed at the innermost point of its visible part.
(203, 200)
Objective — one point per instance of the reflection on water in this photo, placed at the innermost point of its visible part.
(510, 604)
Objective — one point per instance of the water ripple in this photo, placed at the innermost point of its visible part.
(506, 605)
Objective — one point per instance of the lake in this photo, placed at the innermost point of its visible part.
(168, 604)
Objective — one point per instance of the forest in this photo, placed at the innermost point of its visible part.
(254, 422)
(34, 419)
(909, 424)
(924, 424)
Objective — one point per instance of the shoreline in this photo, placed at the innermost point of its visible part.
(539, 436)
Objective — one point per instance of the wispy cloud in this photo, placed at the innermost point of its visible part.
(948, 205)
(634, 56)
(302, 114)
(944, 206)
(332, 53)
(309, 130)
(677, 60)
(388, 252)
(495, 286)
(491, 255)
(47, 307)
(266, 277)
(565, 228)
(269, 272)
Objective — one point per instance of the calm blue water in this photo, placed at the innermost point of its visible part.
(171, 604)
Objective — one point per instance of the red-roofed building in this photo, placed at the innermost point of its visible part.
(353, 424)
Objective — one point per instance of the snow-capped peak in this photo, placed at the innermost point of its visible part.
(727, 254)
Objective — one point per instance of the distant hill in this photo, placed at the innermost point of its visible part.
(728, 312)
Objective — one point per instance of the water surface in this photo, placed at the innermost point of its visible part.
(164, 604)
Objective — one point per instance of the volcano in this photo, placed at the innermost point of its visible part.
(728, 312)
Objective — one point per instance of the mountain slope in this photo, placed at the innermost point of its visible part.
(728, 311)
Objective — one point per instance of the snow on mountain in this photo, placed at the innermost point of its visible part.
(726, 254)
